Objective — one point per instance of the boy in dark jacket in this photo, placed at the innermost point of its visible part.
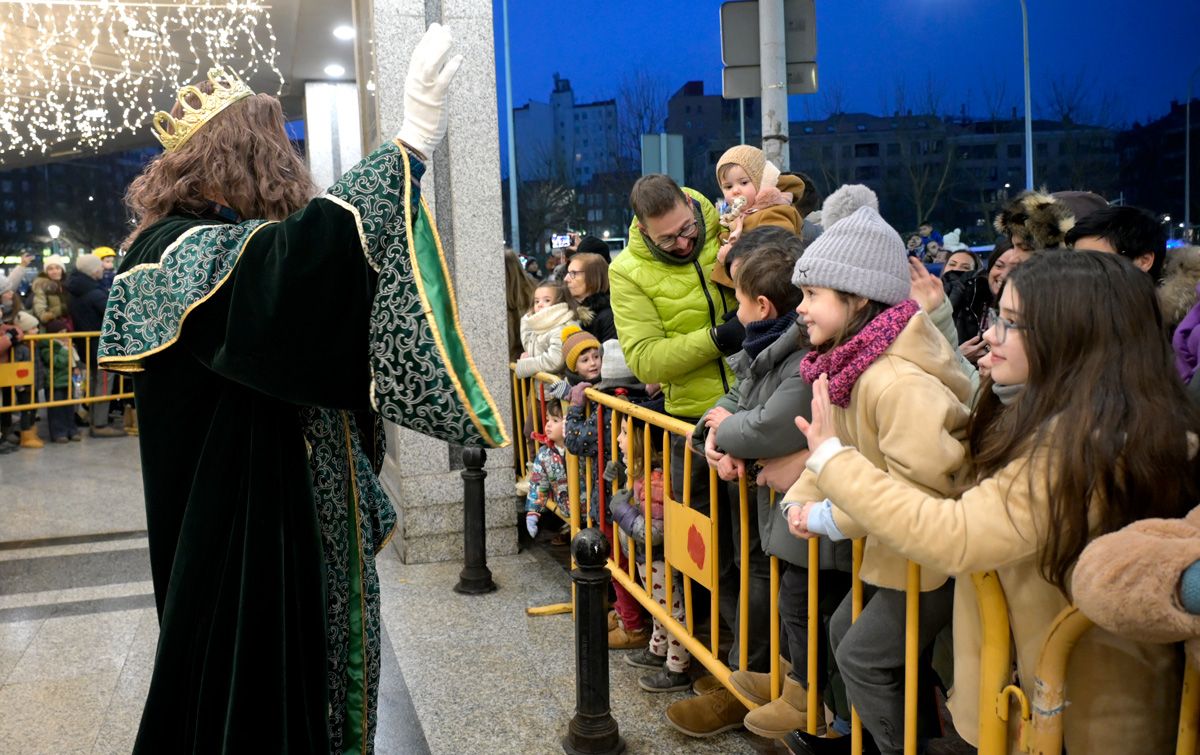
(757, 420)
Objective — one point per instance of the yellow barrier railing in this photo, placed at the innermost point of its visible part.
(38, 370)
(1040, 729)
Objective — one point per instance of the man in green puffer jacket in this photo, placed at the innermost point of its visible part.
(670, 317)
(675, 325)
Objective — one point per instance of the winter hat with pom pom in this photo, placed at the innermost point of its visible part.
(860, 255)
(843, 202)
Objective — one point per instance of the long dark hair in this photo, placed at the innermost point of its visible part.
(1102, 402)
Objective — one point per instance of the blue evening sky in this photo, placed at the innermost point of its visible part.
(1136, 52)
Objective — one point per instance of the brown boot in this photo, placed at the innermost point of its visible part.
(754, 686)
(706, 684)
(707, 715)
(777, 719)
(623, 639)
(131, 426)
(30, 439)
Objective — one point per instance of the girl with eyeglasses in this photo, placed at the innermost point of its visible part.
(1081, 429)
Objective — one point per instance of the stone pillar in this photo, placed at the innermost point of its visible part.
(463, 189)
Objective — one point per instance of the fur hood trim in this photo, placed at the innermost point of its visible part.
(1037, 216)
(1181, 274)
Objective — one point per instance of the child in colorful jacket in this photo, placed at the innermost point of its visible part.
(548, 473)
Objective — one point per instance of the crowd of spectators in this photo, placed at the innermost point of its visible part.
(60, 298)
(1000, 414)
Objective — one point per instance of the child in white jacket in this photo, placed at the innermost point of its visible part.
(541, 329)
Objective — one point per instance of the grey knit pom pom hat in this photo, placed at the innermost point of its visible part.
(861, 255)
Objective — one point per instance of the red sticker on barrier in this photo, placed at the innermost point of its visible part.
(695, 546)
(22, 373)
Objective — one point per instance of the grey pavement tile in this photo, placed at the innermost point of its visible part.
(56, 715)
(77, 645)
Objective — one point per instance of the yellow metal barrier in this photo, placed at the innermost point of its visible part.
(690, 547)
(20, 381)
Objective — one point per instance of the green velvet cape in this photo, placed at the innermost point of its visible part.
(263, 354)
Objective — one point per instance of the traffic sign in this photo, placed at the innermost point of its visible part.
(740, 47)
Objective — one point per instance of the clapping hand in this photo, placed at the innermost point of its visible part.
(926, 289)
(820, 428)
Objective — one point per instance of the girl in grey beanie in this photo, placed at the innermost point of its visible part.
(898, 395)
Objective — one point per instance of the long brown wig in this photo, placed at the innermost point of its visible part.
(242, 156)
(1101, 400)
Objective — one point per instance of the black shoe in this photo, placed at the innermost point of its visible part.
(645, 659)
(803, 743)
(8, 448)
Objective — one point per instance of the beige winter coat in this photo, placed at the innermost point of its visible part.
(907, 416)
(541, 335)
(49, 299)
(1122, 695)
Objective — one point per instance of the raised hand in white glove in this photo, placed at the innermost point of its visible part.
(429, 74)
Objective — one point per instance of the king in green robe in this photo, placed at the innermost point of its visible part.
(259, 407)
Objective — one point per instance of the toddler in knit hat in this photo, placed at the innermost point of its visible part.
(756, 194)
(581, 352)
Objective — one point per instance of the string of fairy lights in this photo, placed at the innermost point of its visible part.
(73, 74)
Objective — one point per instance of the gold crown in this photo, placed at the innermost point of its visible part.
(227, 88)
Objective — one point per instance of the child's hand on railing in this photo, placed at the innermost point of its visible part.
(712, 454)
(730, 468)
(715, 417)
(797, 519)
(577, 397)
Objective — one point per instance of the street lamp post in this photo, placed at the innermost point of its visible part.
(1028, 106)
(1187, 156)
(54, 231)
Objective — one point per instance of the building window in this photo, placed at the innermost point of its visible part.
(808, 129)
(860, 127)
(893, 149)
(866, 150)
(866, 172)
(6, 187)
(1016, 151)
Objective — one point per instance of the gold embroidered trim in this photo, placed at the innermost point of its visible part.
(129, 363)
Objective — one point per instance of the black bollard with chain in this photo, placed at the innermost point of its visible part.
(592, 731)
(475, 577)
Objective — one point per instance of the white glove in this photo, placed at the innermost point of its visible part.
(429, 75)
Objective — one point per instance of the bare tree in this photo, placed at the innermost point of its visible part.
(833, 99)
(641, 109)
(995, 97)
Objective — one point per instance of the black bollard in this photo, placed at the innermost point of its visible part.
(475, 577)
(593, 730)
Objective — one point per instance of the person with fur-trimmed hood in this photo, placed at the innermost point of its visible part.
(1036, 220)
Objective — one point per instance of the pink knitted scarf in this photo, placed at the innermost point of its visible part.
(845, 364)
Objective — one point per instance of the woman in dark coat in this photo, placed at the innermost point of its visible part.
(587, 280)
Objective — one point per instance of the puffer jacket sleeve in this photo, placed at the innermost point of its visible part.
(769, 430)
(651, 354)
(550, 360)
(728, 402)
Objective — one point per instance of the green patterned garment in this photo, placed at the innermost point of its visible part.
(416, 371)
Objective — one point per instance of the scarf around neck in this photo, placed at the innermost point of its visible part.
(845, 364)
(761, 334)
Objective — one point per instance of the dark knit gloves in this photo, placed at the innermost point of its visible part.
(729, 336)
